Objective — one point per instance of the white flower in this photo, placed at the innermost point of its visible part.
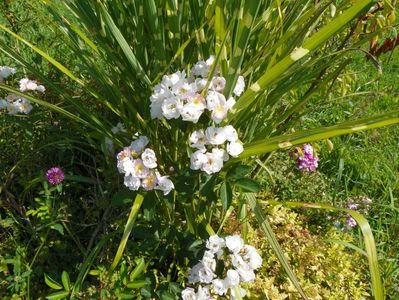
(240, 86)
(139, 169)
(213, 99)
(149, 158)
(191, 113)
(126, 166)
(40, 88)
(234, 243)
(198, 139)
(206, 275)
(12, 108)
(138, 145)
(149, 182)
(23, 105)
(188, 294)
(132, 182)
(161, 91)
(221, 153)
(26, 84)
(246, 273)
(200, 84)
(6, 71)
(126, 153)
(193, 274)
(156, 109)
(210, 60)
(201, 68)
(218, 84)
(209, 261)
(252, 257)
(203, 293)
(164, 184)
(219, 286)
(171, 108)
(197, 160)
(213, 164)
(215, 243)
(232, 278)
(231, 133)
(235, 148)
(215, 135)
(230, 102)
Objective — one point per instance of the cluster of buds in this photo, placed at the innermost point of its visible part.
(306, 158)
(211, 159)
(139, 163)
(180, 96)
(238, 260)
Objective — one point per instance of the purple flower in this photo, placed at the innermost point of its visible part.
(350, 221)
(306, 160)
(353, 206)
(55, 175)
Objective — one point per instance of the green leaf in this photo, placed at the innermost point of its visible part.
(122, 197)
(65, 280)
(226, 194)
(312, 135)
(138, 269)
(128, 228)
(51, 282)
(58, 227)
(237, 172)
(248, 185)
(137, 284)
(58, 295)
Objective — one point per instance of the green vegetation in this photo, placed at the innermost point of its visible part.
(308, 81)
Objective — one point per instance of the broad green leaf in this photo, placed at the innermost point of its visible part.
(65, 280)
(58, 227)
(248, 185)
(52, 283)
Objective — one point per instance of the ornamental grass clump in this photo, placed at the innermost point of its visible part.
(226, 264)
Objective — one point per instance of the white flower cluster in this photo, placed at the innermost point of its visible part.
(15, 104)
(239, 261)
(5, 72)
(180, 96)
(26, 84)
(138, 163)
(214, 137)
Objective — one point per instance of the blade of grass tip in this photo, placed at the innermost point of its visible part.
(220, 32)
(264, 224)
(128, 228)
(368, 238)
(124, 46)
(310, 45)
(251, 9)
(322, 133)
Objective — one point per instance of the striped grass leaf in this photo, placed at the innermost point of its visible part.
(368, 239)
(124, 46)
(322, 133)
(315, 41)
(246, 22)
(138, 201)
(264, 224)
